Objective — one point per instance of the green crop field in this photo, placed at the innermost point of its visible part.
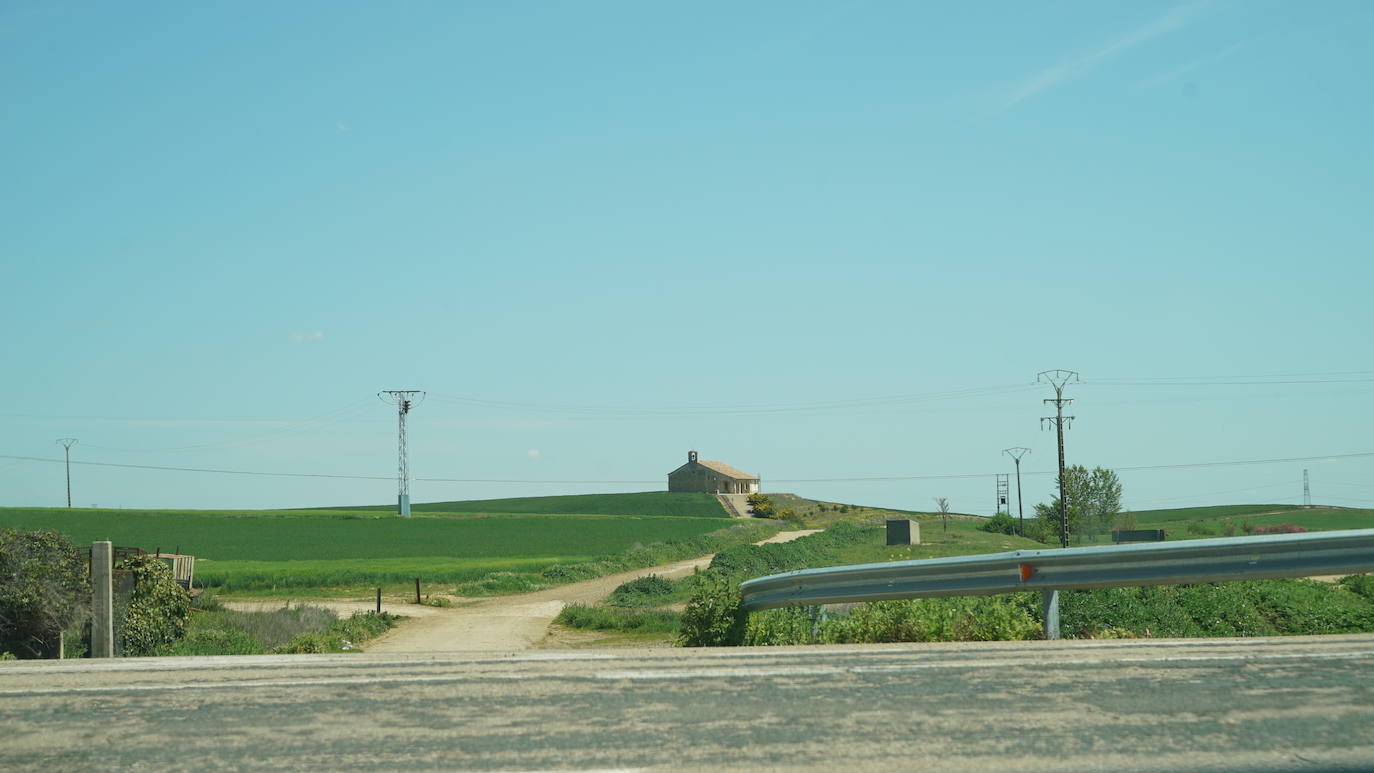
(1196, 513)
(297, 549)
(1202, 522)
(660, 503)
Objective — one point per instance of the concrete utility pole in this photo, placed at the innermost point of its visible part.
(404, 400)
(1016, 454)
(67, 443)
(1057, 379)
(1306, 491)
(102, 600)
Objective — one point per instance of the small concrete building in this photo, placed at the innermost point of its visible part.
(711, 477)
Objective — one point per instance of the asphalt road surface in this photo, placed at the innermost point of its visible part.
(1302, 704)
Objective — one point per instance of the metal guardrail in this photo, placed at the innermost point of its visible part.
(1052, 570)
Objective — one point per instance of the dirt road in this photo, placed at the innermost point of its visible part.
(501, 623)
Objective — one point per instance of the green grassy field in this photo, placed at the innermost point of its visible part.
(657, 503)
(278, 550)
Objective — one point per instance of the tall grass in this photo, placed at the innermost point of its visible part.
(215, 630)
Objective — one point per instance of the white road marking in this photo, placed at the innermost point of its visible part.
(183, 663)
(687, 673)
(744, 671)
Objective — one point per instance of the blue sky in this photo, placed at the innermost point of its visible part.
(226, 226)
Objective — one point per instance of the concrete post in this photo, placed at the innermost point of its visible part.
(102, 600)
(1050, 611)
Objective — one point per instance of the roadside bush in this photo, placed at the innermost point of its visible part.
(1199, 528)
(43, 592)
(960, 618)
(1252, 608)
(1360, 584)
(713, 617)
(158, 610)
(619, 619)
(644, 591)
(1002, 523)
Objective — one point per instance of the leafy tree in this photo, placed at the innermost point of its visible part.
(1094, 501)
(43, 591)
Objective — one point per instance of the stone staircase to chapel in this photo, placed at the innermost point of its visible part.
(737, 505)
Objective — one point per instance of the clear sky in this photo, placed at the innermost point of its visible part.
(600, 234)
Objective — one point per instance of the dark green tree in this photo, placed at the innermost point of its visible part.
(1094, 501)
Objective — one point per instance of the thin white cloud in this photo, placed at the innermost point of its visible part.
(307, 337)
(1069, 69)
(533, 453)
(1184, 69)
(343, 126)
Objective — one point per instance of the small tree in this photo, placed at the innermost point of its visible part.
(762, 506)
(943, 505)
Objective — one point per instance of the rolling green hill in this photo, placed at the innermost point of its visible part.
(656, 503)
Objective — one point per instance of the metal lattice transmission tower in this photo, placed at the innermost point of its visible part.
(1306, 491)
(404, 400)
(68, 442)
(1016, 454)
(1058, 378)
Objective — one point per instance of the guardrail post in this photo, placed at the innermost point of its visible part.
(1049, 610)
(102, 600)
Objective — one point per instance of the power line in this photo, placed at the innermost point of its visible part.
(730, 410)
(202, 469)
(292, 430)
(866, 479)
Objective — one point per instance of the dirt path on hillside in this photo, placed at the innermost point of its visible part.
(517, 622)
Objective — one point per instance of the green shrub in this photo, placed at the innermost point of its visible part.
(1002, 523)
(713, 617)
(643, 591)
(958, 618)
(1199, 527)
(601, 618)
(158, 611)
(1253, 608)
(305, 644)
(1361, 584)
(43, 592)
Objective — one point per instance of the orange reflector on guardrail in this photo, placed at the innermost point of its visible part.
(1026, 571)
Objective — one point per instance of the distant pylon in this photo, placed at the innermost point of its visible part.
(1057, 379)
(1016, 454)
(404, 400)
(1306, 491)
(68, 442)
